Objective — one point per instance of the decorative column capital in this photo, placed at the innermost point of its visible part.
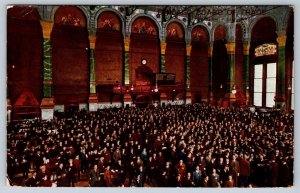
(47, 28)
(92, 39)
(188, 49)
(230, 47)
(126, 44)
(246, 48)
(281, 40)
(47, 103)
(163, 46)
(210, 50)
(48, 82)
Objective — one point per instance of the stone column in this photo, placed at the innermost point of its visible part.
(47, 104)
(229, 96)
(126, 61)
(210, 83)
(163, 45)
(280, 97)
(93, 100)
(188, 95)
(246, 73)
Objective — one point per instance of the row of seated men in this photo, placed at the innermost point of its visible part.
(176, 146)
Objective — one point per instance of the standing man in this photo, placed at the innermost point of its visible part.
(71, 171)
(94, 175)
(197, 177)
(244, 171)
(235, 169)
(32, 181)
(77, 166)
(214, 178)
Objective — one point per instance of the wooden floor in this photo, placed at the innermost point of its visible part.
(83, 182)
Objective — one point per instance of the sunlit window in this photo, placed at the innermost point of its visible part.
(264, 84)
(258, 84)
(270, 84)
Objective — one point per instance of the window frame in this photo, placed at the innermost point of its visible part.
(264, 60)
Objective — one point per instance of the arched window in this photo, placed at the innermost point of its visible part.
(264, 59)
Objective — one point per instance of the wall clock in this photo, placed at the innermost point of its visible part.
(144, 61)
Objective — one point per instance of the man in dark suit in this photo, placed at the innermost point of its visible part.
(32, 181)
(284, 174)
(94, 175)
(70, 175)
(197, 177)
(274, 172)
(214, 178)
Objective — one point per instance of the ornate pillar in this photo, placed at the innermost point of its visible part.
(229, 96)
(163, 45)
(47, 104)
(127, 100)
(280, 97)
(188, 95)
(246, 72)
(93, 100)
(210, 83)
(126, 61)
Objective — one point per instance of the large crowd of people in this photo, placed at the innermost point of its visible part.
(173, 146)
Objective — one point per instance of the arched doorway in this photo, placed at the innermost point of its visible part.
(70, 57)
(144, 47)
(176, 51)
(143, 100)
(109, 57)
(24, 61)
(220, 76)
(199, 64)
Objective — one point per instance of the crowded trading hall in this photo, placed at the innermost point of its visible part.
(150, 96)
